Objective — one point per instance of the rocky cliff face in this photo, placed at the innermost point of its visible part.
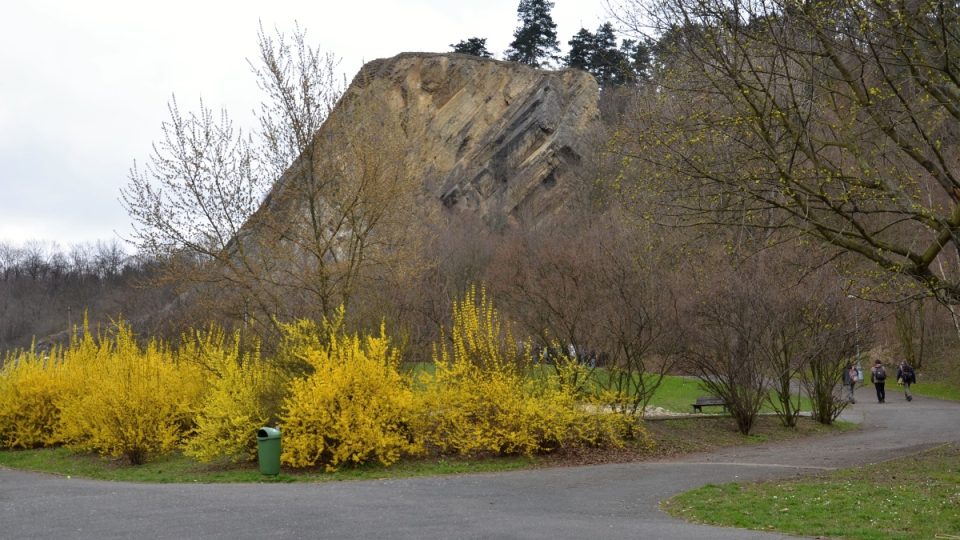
(498, 139)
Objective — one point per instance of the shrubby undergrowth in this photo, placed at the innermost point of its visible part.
(339, 398)
(485, 396)
(353, 407)
(241, 391)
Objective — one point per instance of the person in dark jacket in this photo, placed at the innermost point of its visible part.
(850, 381)
(906, 376)
(878, 376)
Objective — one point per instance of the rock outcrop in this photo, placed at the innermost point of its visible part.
(498, 139)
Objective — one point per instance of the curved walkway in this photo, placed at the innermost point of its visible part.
(605, 501)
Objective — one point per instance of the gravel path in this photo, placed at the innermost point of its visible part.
(605, 501)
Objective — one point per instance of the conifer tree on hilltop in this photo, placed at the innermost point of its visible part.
(475, 46)
(639, 58)
(598, 54)
(609, 63)
(582, 45)
(535, 40)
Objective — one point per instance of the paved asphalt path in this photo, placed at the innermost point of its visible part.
(605, 501)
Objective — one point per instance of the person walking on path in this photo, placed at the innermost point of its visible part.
(878, 376)
(850, 381)
(906, 376)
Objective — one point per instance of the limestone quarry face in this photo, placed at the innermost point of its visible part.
(501, 140)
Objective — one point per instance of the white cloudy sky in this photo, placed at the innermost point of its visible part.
(84, 85)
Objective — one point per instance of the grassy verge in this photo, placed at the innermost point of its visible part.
(671, 437)
(914, 497)
(941, 390)
(687, 435)
(176, 468)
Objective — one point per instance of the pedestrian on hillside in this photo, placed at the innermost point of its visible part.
(850, 381)
(878, 376)
(906, 376)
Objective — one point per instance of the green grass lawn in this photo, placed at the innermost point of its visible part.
(675, 393)
(914, 497)
(939, 390)
(679, 393)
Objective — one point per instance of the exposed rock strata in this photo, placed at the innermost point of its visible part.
(494, 138)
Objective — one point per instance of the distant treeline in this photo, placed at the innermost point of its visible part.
(46, 289)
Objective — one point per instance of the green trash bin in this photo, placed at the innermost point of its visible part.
(268, 450)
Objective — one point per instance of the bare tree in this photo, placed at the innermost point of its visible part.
(725, 351)
(813, 337)
(911, 328)
(786, 347)
(334, 216)
(45, 290)
(832, 343)
(596, 287)
(835, 120)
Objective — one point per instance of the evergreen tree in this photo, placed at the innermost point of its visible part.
(475, 46)
(639, 57)
(599, 55)
(581, 50)
(535, 40)
(607, 62)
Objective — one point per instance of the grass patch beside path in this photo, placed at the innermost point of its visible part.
(672, 437)
(941, 390)
(913, 497)
(176, 468)
(687, 435)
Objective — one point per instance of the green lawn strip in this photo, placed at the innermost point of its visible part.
(176, 468)
(941, 390)
(913, 497)
(672, 437)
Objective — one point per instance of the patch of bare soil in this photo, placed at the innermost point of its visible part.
(675, 437)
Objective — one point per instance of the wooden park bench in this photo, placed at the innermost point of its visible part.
(709, 401)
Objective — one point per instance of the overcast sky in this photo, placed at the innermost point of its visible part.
(84, 85)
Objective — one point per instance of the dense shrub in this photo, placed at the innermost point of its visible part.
(30, 387)
(483, 397)
(339, 398)
(124, 400)
(353, 408)
(241, 396)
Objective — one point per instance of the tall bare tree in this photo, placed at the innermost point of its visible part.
(838, 120)
(288, 222)
(725, 350)
(595, 287)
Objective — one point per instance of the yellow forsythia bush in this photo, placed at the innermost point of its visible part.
(241, 397)
(124, 400)
(353, 408)
(468, 410)
(31, 384)
(482, 397)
